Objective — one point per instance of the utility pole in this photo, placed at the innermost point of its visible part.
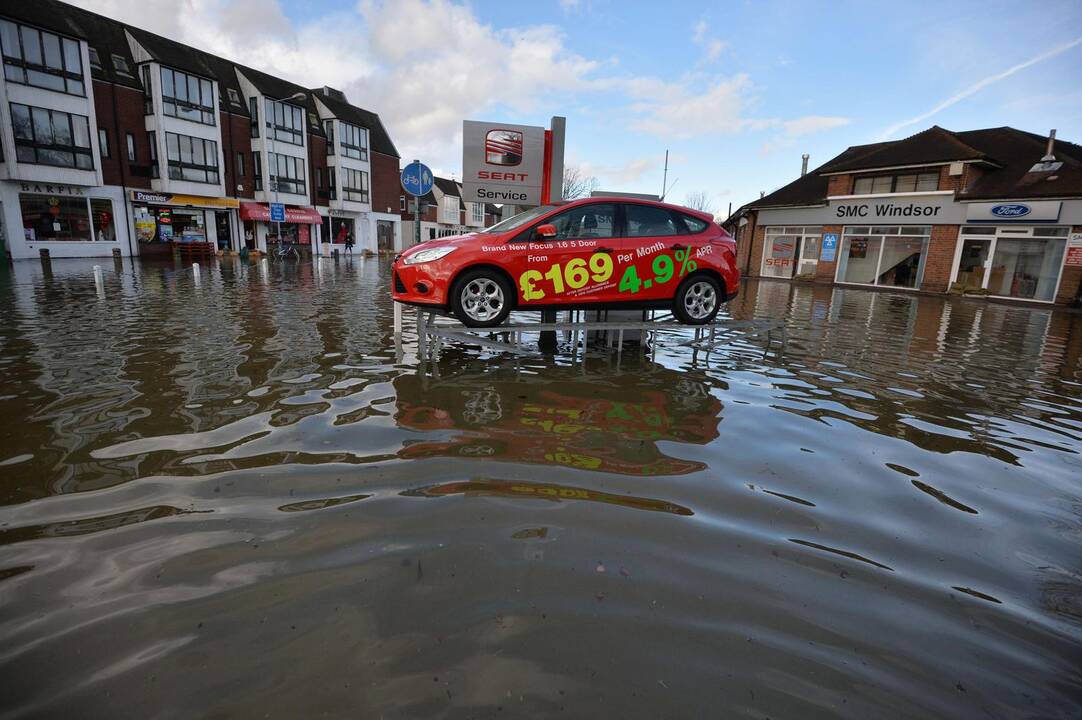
(665, 176)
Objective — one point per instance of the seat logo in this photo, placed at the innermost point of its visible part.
(503, 147)
(1014, 210)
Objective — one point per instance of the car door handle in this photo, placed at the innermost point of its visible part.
(678, 246)
(604, 250)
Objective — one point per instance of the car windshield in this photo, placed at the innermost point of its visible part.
(516, 221)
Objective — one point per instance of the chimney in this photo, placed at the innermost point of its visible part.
(762, 194)
(1048, 164)
(804, 163)
(1048, 156)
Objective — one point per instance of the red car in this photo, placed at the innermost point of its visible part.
(590, 253)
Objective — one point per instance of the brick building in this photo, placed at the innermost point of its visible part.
(994, 212)
(116, 138)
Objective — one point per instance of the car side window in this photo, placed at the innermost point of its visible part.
(650, 221)
(586, 221)
(694, 225)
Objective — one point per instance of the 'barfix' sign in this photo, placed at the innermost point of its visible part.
(502, 163)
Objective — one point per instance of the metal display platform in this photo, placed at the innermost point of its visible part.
(580, 332)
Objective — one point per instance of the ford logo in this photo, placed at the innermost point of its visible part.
(1010, 211)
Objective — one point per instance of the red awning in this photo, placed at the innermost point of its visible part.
(261, 212)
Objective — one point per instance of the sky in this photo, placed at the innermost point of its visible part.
(735, 91)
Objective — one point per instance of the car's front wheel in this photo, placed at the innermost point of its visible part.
(481, 298)
(697, 300)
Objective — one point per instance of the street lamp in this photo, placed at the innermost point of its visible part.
(295, 97)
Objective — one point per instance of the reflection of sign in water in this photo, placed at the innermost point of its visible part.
(544, 491)
(584, 425)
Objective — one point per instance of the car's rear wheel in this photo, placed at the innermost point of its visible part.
(481, 298)
(697, 300)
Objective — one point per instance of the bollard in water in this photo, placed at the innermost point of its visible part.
(196, 275)
(264, 269)
(99, 281)
(116, 253)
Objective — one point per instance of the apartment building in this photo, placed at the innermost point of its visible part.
(116, 138)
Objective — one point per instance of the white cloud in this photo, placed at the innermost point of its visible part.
(569, 4)
(812, 123)
(980, 85)
(712, 47)
(625, 174)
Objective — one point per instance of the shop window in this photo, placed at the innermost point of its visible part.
(51, 137)
(103, 143)
(354, 141)
(432, 233)
(42, 59)
(911, 182)
(285, 122)
(101, 215)
(54, 218)
(191, 159)
(791, 251)
(885, 256)
(187, 97)
(355, 185)
(287, 172)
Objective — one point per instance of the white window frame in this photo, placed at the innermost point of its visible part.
(847, 231)
(1006, 232)
(805, 232)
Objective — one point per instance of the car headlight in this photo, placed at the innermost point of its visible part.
(428, 255)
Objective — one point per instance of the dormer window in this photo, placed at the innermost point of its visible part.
(95, 59)
(234, 97)
(910, 182)
(121, 65)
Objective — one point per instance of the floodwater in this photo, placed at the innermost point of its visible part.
(234, 498)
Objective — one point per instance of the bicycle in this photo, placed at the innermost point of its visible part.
(285, 251)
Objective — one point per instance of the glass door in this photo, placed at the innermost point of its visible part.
(973, 265)
(1026, 268)
(809, 255)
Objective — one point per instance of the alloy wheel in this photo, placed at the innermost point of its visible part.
(482, 299)
(700, 300)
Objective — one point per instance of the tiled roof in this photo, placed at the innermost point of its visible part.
(377, 134)
(1005, 154)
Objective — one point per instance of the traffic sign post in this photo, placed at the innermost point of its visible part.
(278, 212)
(417, 181)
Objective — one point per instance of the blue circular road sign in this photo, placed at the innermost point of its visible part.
(417, 179)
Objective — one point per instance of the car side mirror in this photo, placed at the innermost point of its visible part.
(545, 232)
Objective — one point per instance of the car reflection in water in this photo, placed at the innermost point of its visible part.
(588, 418)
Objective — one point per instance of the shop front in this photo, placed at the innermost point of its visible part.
(261, 233)
(162, 220)
(338, 226)
(66, 220)
(791, 251)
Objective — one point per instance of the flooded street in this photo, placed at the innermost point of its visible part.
(233, 498)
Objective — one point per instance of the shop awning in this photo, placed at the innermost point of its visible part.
(261, 212)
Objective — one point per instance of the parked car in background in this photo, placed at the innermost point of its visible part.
(589, 253)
